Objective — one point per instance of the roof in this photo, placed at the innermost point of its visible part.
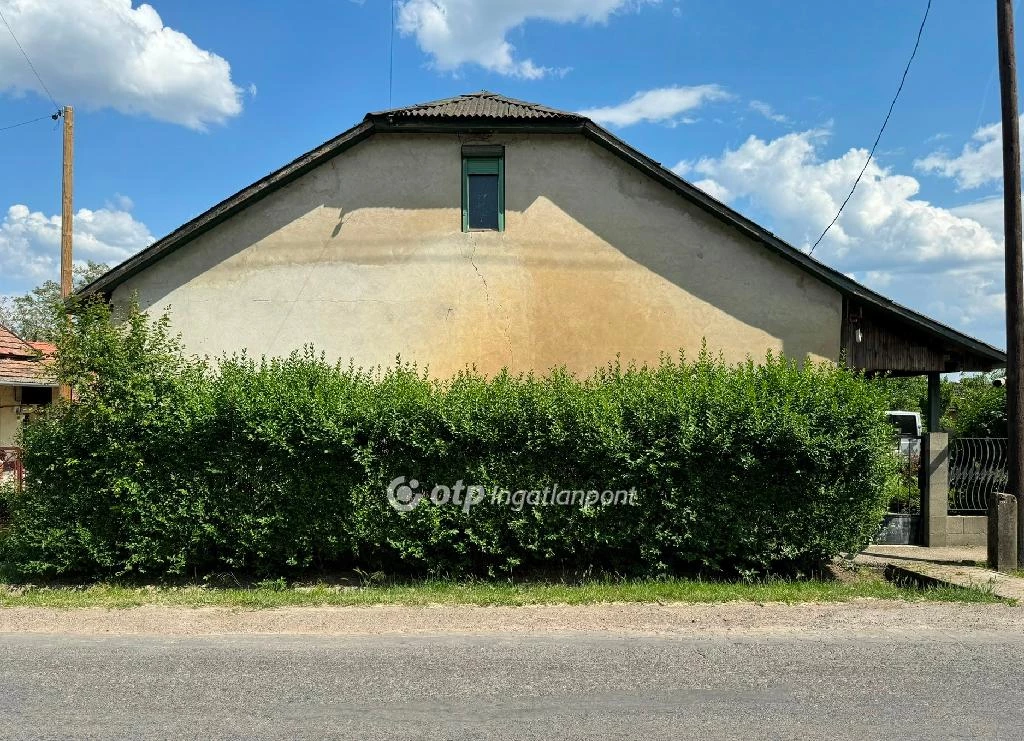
(481, 105)
(46, 348)
(21, 362)
(487, 111)
(13, 346)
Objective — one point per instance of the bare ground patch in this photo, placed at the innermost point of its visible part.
(883, 618)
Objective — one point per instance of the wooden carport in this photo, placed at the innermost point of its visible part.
(896, 341)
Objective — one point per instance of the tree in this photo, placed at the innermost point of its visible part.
(977, 408)
(973, 406)
(34, 316)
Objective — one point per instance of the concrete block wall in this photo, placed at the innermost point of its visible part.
(966, 530)
(938, 527)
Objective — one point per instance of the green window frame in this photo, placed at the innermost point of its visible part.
(483, 160)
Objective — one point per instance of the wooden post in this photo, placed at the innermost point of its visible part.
(1014, 259)
(67, 215)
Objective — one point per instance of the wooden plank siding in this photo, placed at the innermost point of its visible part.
(887, 345)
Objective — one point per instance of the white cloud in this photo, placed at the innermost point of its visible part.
(971, 297)
(30, 241)
(878, 278)
(946, 262)
(768, 112)
(884, 223)
(107, 54)
(662, 104)
(458, 32)
(979, 162)
(988, 212)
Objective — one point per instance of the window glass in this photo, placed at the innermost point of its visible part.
(483, 201)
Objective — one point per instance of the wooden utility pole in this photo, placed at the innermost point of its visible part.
(66, 214)
(1014, 261)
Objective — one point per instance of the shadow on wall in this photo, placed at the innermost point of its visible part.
(591, 194)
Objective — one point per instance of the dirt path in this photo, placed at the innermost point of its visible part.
(874, 617)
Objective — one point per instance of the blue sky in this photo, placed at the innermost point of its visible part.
(768, 105)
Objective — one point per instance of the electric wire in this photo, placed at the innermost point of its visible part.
(27, 59)
(878, 138)
(26, 123)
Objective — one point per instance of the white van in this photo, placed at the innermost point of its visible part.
(908, 426)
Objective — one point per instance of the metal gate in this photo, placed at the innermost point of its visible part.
(977, 469)
(902, 523)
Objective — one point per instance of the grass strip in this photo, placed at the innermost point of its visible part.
(484, 593)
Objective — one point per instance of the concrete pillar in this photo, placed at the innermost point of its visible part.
(934, 488)
(934, 401)
(1002, 532)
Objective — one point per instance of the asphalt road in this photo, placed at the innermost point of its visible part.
(568, 686)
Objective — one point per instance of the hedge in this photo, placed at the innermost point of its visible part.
(168, 465)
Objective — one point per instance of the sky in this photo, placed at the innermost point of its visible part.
(768, 105)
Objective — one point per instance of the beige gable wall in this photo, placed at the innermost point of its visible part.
(10, 424)
(364, 257)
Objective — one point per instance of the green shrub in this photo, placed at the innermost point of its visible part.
(972, 406)
(976, 408)
(165, 467)
(907, 393)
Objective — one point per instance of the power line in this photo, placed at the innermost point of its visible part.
(878, 138)
(30, 65)
(51, 116)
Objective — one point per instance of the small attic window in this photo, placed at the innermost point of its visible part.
(483, 188)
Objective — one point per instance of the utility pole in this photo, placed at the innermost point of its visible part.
(1014, 262)
(67, 216)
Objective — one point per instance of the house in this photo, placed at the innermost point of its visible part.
(25, 385)
(489, 231)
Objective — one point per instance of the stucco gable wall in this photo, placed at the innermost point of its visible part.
(10, 424)
(364, 257)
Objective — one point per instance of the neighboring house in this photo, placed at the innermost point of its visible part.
(25, 385)
(488, 231)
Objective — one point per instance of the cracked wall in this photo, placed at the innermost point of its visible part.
(364, 257)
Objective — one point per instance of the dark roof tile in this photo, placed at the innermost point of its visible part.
(481, 105)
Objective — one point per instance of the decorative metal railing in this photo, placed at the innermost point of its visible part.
(11, 467)
(977, 468)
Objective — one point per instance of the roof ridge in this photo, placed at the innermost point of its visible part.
(479, 104)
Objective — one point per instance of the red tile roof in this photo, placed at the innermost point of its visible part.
(24, 372)
(46, 348)
(13, 346)
(21, 362)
